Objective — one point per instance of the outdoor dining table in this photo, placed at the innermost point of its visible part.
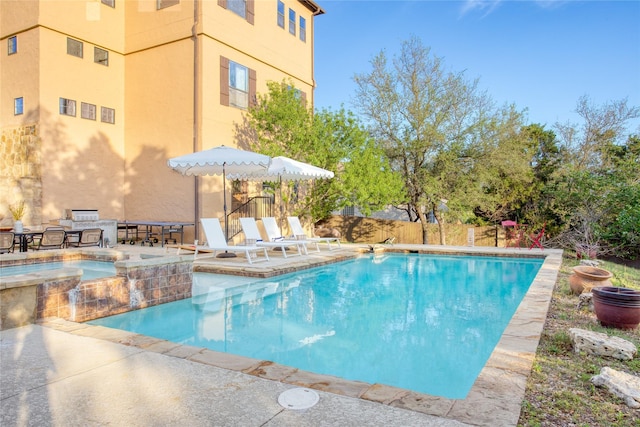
(23, 238)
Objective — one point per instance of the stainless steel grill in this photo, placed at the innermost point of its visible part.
(82, 214)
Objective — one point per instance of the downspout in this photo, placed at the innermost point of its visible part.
(196, 92)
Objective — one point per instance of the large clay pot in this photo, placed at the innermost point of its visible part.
(586, 277)
(617, 307)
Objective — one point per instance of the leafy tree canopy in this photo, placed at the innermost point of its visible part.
(280, 124)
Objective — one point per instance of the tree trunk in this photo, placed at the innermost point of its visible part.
(441, 229)
(424, 223)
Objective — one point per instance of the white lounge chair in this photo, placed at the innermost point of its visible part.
(251, 233)
(298, 231)
(275, 235)
(216, 242)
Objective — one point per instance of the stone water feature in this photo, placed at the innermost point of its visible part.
(27, 298)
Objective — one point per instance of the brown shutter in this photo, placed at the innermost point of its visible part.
(222, 3)
(250, 11)
(303, 97)
(224, 81)
(253, 100)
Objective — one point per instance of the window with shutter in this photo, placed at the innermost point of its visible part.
(238, 87)
(243, 8)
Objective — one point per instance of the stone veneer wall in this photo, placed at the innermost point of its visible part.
(21, 173)
(60, 293)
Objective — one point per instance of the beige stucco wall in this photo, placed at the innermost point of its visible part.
(81, 155)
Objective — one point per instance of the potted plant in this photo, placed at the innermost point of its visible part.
(587, 277)
(617, 307)
(17, 211)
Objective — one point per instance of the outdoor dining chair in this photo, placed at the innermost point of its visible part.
(7, 242)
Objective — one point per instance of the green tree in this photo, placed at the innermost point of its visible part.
(433, 125)
(281, 124)
(596, 191)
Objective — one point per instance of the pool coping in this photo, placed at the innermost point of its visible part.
(495, 397)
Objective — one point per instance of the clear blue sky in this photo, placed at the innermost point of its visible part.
(539, 55)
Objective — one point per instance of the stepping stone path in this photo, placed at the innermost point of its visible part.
(623, 385)
(600, 344)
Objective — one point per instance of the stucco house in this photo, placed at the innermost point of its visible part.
(96, 95)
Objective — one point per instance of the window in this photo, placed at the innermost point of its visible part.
(303, 29)
(107, 115)
(74, 47)
(292, 21)
(67, 107)
(100, 56)
(280, 14)
(238, 7)
(111, 3)
(18, 106)
(13, 45)
(243, 8)
(87, 111)
(238, 85)
(166, 3)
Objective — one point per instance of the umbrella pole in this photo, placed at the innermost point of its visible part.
(225, 254)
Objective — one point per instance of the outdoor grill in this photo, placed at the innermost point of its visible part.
(81, 219)
(82, 214)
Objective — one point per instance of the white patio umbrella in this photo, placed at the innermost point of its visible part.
(223, 161)
(286, 169)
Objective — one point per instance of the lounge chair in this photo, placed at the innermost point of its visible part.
(275, 235)
(7, 242)
(51, 238)
(252, 234)
(87, 237)
(298, 231)
(216, 242)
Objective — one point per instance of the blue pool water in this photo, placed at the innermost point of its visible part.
(90, 269)
(417, 322)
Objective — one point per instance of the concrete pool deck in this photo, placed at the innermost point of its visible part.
(70, 373)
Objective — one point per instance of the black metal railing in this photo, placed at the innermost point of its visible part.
(255, 207)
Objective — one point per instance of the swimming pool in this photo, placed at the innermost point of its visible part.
(90, 269)
(419, 322)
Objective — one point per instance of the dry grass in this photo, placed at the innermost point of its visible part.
(559, 391)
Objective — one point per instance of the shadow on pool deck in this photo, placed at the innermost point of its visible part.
(168, 383)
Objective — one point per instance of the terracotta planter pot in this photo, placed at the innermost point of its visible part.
(617, 307)
(585, 278)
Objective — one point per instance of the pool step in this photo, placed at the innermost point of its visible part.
(210, 297)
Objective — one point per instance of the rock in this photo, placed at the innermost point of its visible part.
(601, 344)
(586, 300)
(623, 385)
(590, 262)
